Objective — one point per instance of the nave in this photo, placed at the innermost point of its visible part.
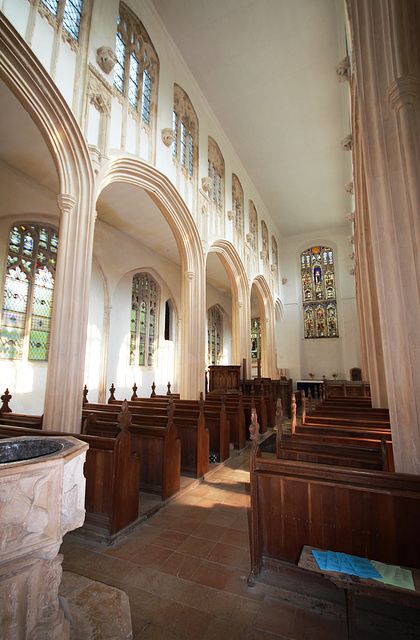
(185, 571)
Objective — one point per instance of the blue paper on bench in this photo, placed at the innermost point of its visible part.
(345, 563)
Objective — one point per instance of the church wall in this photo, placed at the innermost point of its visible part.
(322, 356)
(224, 302)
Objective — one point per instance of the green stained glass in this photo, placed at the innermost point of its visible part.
(15, 239)
(11, 342)
(38, 345)
(143, 320)
(43, 239)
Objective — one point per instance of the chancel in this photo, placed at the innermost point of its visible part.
(209, 228)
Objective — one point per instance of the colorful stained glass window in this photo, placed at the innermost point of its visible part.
(255, 339)
(28, 292)
(136, 65)
(319, 293)
(214, 335)
(143, 322)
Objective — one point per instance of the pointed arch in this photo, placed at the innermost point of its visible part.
(266, 304)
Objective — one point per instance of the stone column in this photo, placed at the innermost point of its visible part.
(193, 343)
(385, 41)
(63, 396)
(103, 370)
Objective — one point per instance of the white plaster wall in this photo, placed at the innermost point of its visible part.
(17, 11)
(42, 41)
(94, 333)
(65, 71)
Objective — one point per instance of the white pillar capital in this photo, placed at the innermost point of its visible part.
(402, 91)
(189, 275)
(65, 202)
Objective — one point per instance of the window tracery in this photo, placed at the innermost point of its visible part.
(144, 320)
(255, 339)
(67, 13)
(185, 125)
(237, 203)
(136, 67)
(274, 255)
(253, 225)
(28, 292)
(216, 169)
(319, 293)
(264, 238)
(214, 336)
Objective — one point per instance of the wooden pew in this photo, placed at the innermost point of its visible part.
(112, 474)
(156, 441)
(364, 513)
(235, 414)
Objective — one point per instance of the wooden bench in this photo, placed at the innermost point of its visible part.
(235, 414)
(157, 443)
(112, 474)
(364, 513)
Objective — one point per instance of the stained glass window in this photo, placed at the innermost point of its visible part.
(318, 293)
(28, 292)
(143, 322)
(214, 335)
(216, 167)
(136, 66)
(185, 124)
(255, 339)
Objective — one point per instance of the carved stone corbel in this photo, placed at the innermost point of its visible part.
(168, 136)
(347, 143)
(402, 91)
(105, 59)
(350, 216)
(231, 215)
(249, 237)
(263, 255)
(348, 188)
(343, 70)
(206, 184)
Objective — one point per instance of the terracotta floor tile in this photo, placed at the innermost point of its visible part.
(181, 565)
(197, 513)
(176, 510)
(238, 584)
(212, 575)
(226, 554)
(152, 556)
(201, 490)
(245, 610)
(184, 525)
(207, 503)
(221, 629)
(162, 520)
(126, 549)
(257, 634)
(154, 608)
(221, 519)
(242, 523)
(156, 632)
(195, 546)
(237, 538)
(140, 577)
(191, 623)
(310, 624)
(190, 593)
(210, 531)
(146, 533)
(170, 539)
(219, 603)
(276, 616)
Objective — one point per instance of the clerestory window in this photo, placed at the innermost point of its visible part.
(68, 13)
(216, 170)
(237, 203)
(185, 126)
(144, 320)
(136, 66)
(319, 293)
(28, 292)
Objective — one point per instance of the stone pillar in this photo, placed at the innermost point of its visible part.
(63, 396)
(103, 370)
(193, 343)
(385, 42)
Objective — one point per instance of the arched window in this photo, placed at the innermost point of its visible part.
(28, 292)
(255, 339)
(137, 65)
(185, 125)
(318, 293)
(216, 165)
(265, 248)
(66, 12)
(144, 320)
(237, 203)
(253, 226)
(274, 256)
(214, 335)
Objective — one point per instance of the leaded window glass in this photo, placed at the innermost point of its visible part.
(237, 203)
(255, 339)
(214, 336)
(136, 66)
(185, 124)
(67, 12)
(216, 165)
(319, 293)
(253, 225)
(28, 292)
(143, 321)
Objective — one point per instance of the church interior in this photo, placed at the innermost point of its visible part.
(214, 203)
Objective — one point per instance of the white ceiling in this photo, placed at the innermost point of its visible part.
(267, 69)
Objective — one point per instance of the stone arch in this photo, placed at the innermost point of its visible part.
(176, 213)
(27, 79)
(266, 304)
(238, 280)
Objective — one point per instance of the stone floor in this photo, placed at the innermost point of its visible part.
(185, 571)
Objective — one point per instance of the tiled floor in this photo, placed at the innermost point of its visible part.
(185, 570)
